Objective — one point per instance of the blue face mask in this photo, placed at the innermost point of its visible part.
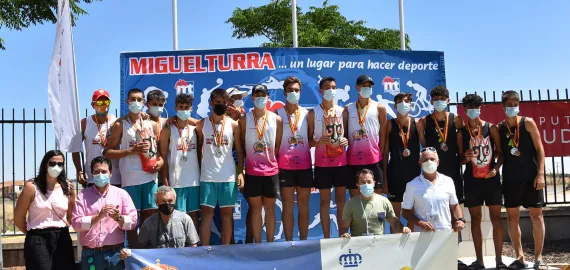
(293, 97)
(365, 92)
(135, 107)
(403, 108)
(440, 105)
(366, 190)
(512, 111)
(101, 180)
(473, 113)
(260, 102)
(329, 94)
(156, 111)
(183, 115)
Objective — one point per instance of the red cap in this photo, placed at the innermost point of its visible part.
(100, 93)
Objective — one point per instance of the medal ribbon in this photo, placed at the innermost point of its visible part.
(444, 134)
(327, 112)
(471, 133)
(362, 116)
(405, 137)
(219, 136)
(182, 139)
(103, 138)
(293, 125)
(143, 135)
(515, 141)
(262, 131)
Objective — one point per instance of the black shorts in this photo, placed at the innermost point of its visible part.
(376, 168)
(266, 186)
(296, 178)
(327, 177)
(479, 191)
(522, 193)
(397, 187)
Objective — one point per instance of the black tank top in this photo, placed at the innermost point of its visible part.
(483, 147)
(523, 168)
(400, 166)
(448, 160)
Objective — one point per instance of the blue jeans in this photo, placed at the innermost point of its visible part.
(97, 260)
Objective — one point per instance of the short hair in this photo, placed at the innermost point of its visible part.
(364, 172)
(101, 160)
(439, 91)
(184, 99)
(511, 94)
(403, 95)
(219, 92)
(155, 95)
(423, 152)
(163, 190)
(326, 79)
(134, 91)
(472, 100)
(291, 80)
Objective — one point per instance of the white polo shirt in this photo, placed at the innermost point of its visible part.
(431, 199)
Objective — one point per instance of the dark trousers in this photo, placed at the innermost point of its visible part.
(47, 249)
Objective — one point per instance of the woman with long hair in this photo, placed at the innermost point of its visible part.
(48, 200)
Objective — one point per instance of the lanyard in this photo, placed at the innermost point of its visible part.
(363, 211)
(427, 188)
(159, 233)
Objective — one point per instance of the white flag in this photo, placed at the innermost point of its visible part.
(62, 85)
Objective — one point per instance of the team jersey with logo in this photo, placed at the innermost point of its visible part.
(94, 146)
(363, 148)
(331, 125)
(132, 173)
(260, 154)
(217, 161)
(183, 170)
(294, 153)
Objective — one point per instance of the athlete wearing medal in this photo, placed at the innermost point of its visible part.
(523, 174)
(178, 142)
(155, 100)
(134, 143)
(480, 140)
(261, 132)
(326, 133)
(295, 166)
(217, 134)
(366, 132)
(439, 130)
(95, 132)
(403, 145)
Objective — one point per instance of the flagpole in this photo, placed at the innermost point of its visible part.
(175, 25)
(294, 14)
(402, 32)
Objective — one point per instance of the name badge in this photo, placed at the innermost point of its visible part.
(433, 217)
(381, 216)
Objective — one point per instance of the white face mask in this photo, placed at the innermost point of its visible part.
(54, 171)
(329, 94)
(238, 103)
(429, 166)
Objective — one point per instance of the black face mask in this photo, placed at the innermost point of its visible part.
(220, 109)
(166, 208)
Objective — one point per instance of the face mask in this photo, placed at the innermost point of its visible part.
(440, 105)
(238, 103)
(512, 111)
(260, 102)
(473, 113)
(365, 92)
(135, 107)
(101, 179)
(220, 109)
(156, 111)
(183, 115)
(429, 166)
(166, 208)
(101, 110)
(329, 94)
(293, 97)
(54, 171)
(366, 190)
(403, 108)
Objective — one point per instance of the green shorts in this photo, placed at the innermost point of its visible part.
(187, 199)
(221, 194)
(143, 195)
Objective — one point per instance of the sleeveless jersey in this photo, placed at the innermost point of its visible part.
(260, 154)
(448, 160)
(333, 126)
(363, 148)
(132, 173)
(217, 162)
(183, 172)
(400, 167)
(483, 147)
(94, 147)
(294, 153)
(523, 168)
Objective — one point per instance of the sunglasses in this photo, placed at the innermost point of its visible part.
(101, 102)
(53, 163)
(428, 149)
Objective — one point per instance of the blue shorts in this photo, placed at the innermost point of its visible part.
(221, 194)
(143, 195)
(187, 199)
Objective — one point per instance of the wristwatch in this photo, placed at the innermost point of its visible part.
(462, 220)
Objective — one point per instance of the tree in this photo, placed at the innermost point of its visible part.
(319, 27)
(18, 14)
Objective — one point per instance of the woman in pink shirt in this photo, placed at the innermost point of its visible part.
(48, 200)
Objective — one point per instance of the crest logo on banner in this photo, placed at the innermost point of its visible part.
(159, 266)
(350, 260)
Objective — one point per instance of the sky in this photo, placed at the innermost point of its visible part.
(488, 45)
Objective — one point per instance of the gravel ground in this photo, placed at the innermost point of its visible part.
(555, 252)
